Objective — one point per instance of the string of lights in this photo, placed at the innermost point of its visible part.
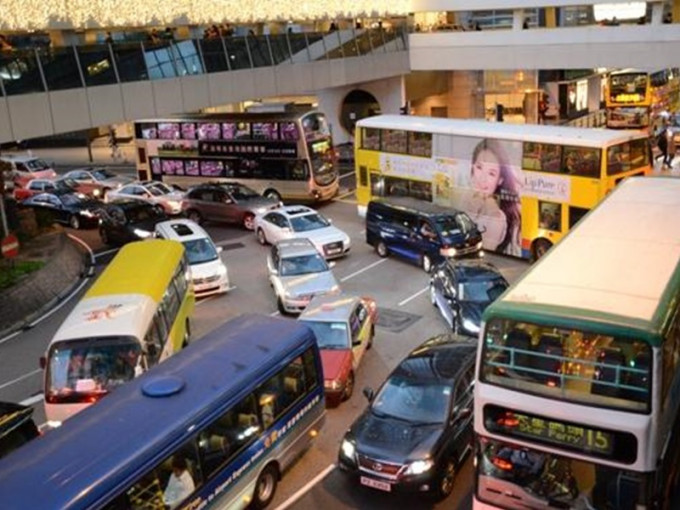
(80, 14)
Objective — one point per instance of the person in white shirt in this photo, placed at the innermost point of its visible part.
(180, 485)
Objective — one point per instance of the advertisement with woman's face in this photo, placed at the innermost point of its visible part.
(487, 187)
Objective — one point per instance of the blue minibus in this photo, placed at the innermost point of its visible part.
(213, 426)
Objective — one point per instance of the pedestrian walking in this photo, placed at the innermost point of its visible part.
(662, 144)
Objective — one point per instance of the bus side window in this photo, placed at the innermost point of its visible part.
(154, 340)
(309, 369)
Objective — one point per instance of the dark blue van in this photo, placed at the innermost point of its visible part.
(419, 231)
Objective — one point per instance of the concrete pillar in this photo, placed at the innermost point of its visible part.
(550, 17)
(517, 19)
(657, 13)
(675, 10)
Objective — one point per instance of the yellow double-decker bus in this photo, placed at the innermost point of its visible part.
(134, 316)
(524, 185)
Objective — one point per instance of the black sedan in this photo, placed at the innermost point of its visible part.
(64, 206)
(416, 432)
(129, 220)
(462, 289)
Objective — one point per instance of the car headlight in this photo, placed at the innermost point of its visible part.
(142, 233)
(96, 192)
(335, 288)
(87, 214)
(419, 467)
(333, 384)
(348, 449)
(222, 270)
(479, 245)
(470, 326)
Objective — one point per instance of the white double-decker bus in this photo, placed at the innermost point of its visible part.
(577, 385)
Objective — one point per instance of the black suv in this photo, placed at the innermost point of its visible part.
(462, 289)
(419, 231)
(129, 220)
(417, 430)
(16, 426)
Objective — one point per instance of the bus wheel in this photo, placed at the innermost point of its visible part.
(445, 479)
(195, 216)
(265, 488)
(261, 237)
(381, 249)
(349, 387)
(187, 334)
(273, 194)
(539, 248)
(249, 221)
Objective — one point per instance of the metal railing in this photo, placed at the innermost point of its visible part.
(60, 68)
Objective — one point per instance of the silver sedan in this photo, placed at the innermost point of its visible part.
(152, 192)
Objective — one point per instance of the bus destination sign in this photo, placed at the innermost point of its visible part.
(568, 435)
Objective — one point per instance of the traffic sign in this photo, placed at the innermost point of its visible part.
(10, 246)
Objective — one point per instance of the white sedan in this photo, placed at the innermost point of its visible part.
(153, 192)
(299, 221)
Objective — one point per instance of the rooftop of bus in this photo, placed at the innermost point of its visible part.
(142, 267)
(561, 135)
(101, 440)
(617, 269)
(245, 116)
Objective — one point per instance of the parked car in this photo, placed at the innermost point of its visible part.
(295, 221)
(208, 272)
(26, 167)
(228, 202)
(37, 186)
(462, 289)
(344, 327)
(127, 221)
(16, 426)
(153, 192)
(66, 207)
(298, 272)
(99, 178)
(420, 232)
(417, 429)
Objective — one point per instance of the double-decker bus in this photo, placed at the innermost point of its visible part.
(525, 185)
(577, 387)
(214, 426)
(135, 315)
(284, 155)
(628, 99)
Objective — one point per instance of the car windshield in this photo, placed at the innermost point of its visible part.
(411, 400)
(36, 165)
(330, 335)
(303, 264)
(308, 222)
(65, 183)
(200, 250)
(242, 193)
(102, 174)
(158, 188)
(90, 367)
(70, 199)
(452, 224)
(481, 290)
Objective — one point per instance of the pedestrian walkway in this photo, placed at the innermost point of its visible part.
(67, 158)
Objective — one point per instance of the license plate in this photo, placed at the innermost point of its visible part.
(333, 251)
(375, 484)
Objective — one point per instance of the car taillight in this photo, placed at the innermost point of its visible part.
(502, 464)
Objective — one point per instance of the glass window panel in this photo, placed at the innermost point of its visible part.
(61, 69)
(130, 62)
(550, 216)
(394, 140)
(544, 157)
(19, 72)
(581, 161)
(96, 64)
(265, 131)
(420, 144)
(238, 53)
(213, 55)
(370, 139)
(279, 48)
(259, 51)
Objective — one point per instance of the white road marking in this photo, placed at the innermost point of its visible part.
(18, 379)
(274, 314)
(301, 492)
(102, 253)
(401, 303)
(9, 337)
(33, 400)
(362, 270)
(346, 175)
(59, 305)
(341, 197)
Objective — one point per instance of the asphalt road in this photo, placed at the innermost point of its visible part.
(407, 320)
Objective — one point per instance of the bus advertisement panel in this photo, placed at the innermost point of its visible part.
(577, 388)
(524, 185)
(285, 155)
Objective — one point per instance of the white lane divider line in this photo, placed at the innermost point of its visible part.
(348, 174)
(104, 253)
(21, 378)
(274, 314)
(370, 266)
(305, 488)
(33, 400)
(402, 303)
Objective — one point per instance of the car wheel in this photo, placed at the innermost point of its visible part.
(104, 236)
(349, 387)
(74, 222)
(445, 479)
(273, 194)
(279, 305)
(195, 216)
(187, 334)
(426, 262)
(261, 237)
(540, 247)
(433, 297)
(265, 487)
(249, 221)
(381, 249)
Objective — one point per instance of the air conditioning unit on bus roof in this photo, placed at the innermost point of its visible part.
(277, 107)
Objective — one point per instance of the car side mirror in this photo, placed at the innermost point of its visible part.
(220, 249)
(330, 221)
(356, 342)
(331, 264)
(368, 393)
(460, 413)
(151, 350)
